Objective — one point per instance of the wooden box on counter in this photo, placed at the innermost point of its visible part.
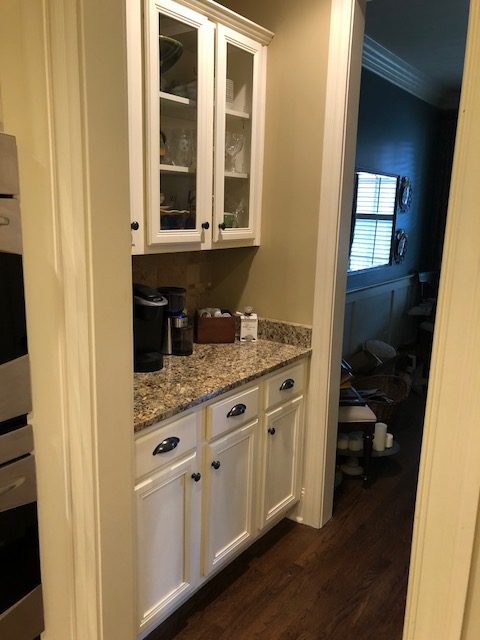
(214, 330)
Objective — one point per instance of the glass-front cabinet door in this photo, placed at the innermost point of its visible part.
(179, 128)
(239, 118)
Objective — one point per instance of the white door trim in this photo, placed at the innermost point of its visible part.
(343, 87)
(91, 274)
(449, 485)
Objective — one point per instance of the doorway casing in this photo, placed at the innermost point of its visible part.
(449, 485)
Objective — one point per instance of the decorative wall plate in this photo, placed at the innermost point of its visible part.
(400, 243)
(405, 194)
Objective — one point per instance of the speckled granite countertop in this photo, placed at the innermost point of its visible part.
(212, 370)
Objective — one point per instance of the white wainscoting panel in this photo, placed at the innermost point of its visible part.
(379, 312)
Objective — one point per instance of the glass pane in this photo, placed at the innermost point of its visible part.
(178, 51)
(238, 127)
(376, 194)
(371, 244)
(374, 211)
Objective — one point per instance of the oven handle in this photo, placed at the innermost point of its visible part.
(17, 484)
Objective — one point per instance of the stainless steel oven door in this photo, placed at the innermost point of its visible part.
(21, 616)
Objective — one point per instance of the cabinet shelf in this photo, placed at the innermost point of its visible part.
(237, 114)
(236, 174)
(171, 97)
(173, 168)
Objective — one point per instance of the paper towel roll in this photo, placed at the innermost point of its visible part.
(380, 436)
(389, 441)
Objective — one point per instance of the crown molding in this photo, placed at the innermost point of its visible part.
(394, 69)
(229, 18)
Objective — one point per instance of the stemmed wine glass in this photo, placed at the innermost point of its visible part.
(233, 145)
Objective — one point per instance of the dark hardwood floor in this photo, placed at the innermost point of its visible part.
(347, 580)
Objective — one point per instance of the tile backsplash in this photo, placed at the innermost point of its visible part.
(192, 270)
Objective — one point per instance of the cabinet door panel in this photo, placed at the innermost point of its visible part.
(281, 486)
(179, 123)
(229, 508)
(240, 66)
(168, 515)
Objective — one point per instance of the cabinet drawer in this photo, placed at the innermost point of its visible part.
(165, 444)
(285, 385)
(232, 412)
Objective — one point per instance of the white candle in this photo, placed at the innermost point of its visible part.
(389, 441)
(380, 436)
(355, 442)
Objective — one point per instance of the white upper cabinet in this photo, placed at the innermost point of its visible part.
(196, 123)
(240, 101)
(179, 92)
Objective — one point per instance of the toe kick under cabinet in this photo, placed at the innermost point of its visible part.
(196, 83)
(210, 481)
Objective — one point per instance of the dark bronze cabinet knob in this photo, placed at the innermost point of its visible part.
(205, 225)
(216, 464)
(135, 226)
(237, 410)
(166, 445)
(196, 476)
(289, 383)
(271, 431)
(222, 226)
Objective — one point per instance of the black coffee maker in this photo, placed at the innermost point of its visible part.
(149, 308)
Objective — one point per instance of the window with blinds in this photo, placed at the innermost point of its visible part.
(374, 218)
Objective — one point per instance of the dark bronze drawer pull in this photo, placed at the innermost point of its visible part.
(289, 383)
(237, 410)
(166, 445)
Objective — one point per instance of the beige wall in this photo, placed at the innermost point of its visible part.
(471, 625)
(24, 114)
(73, 161)
(278, 278)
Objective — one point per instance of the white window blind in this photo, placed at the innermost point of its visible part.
(374, 217)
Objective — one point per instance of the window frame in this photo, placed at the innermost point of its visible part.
(373, 217)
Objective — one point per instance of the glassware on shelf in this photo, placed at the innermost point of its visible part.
(165, 148)
(234, 219)
(234, 142)
(170, 51)
(183, 148)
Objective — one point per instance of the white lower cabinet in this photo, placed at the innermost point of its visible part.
(168, 534)
(280, 466)
(229, 506)
(211, 481)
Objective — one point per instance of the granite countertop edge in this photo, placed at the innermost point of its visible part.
(161, 415)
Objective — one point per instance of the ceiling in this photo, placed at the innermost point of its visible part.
(427, 34)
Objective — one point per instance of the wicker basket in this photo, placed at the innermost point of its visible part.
(394, 387)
